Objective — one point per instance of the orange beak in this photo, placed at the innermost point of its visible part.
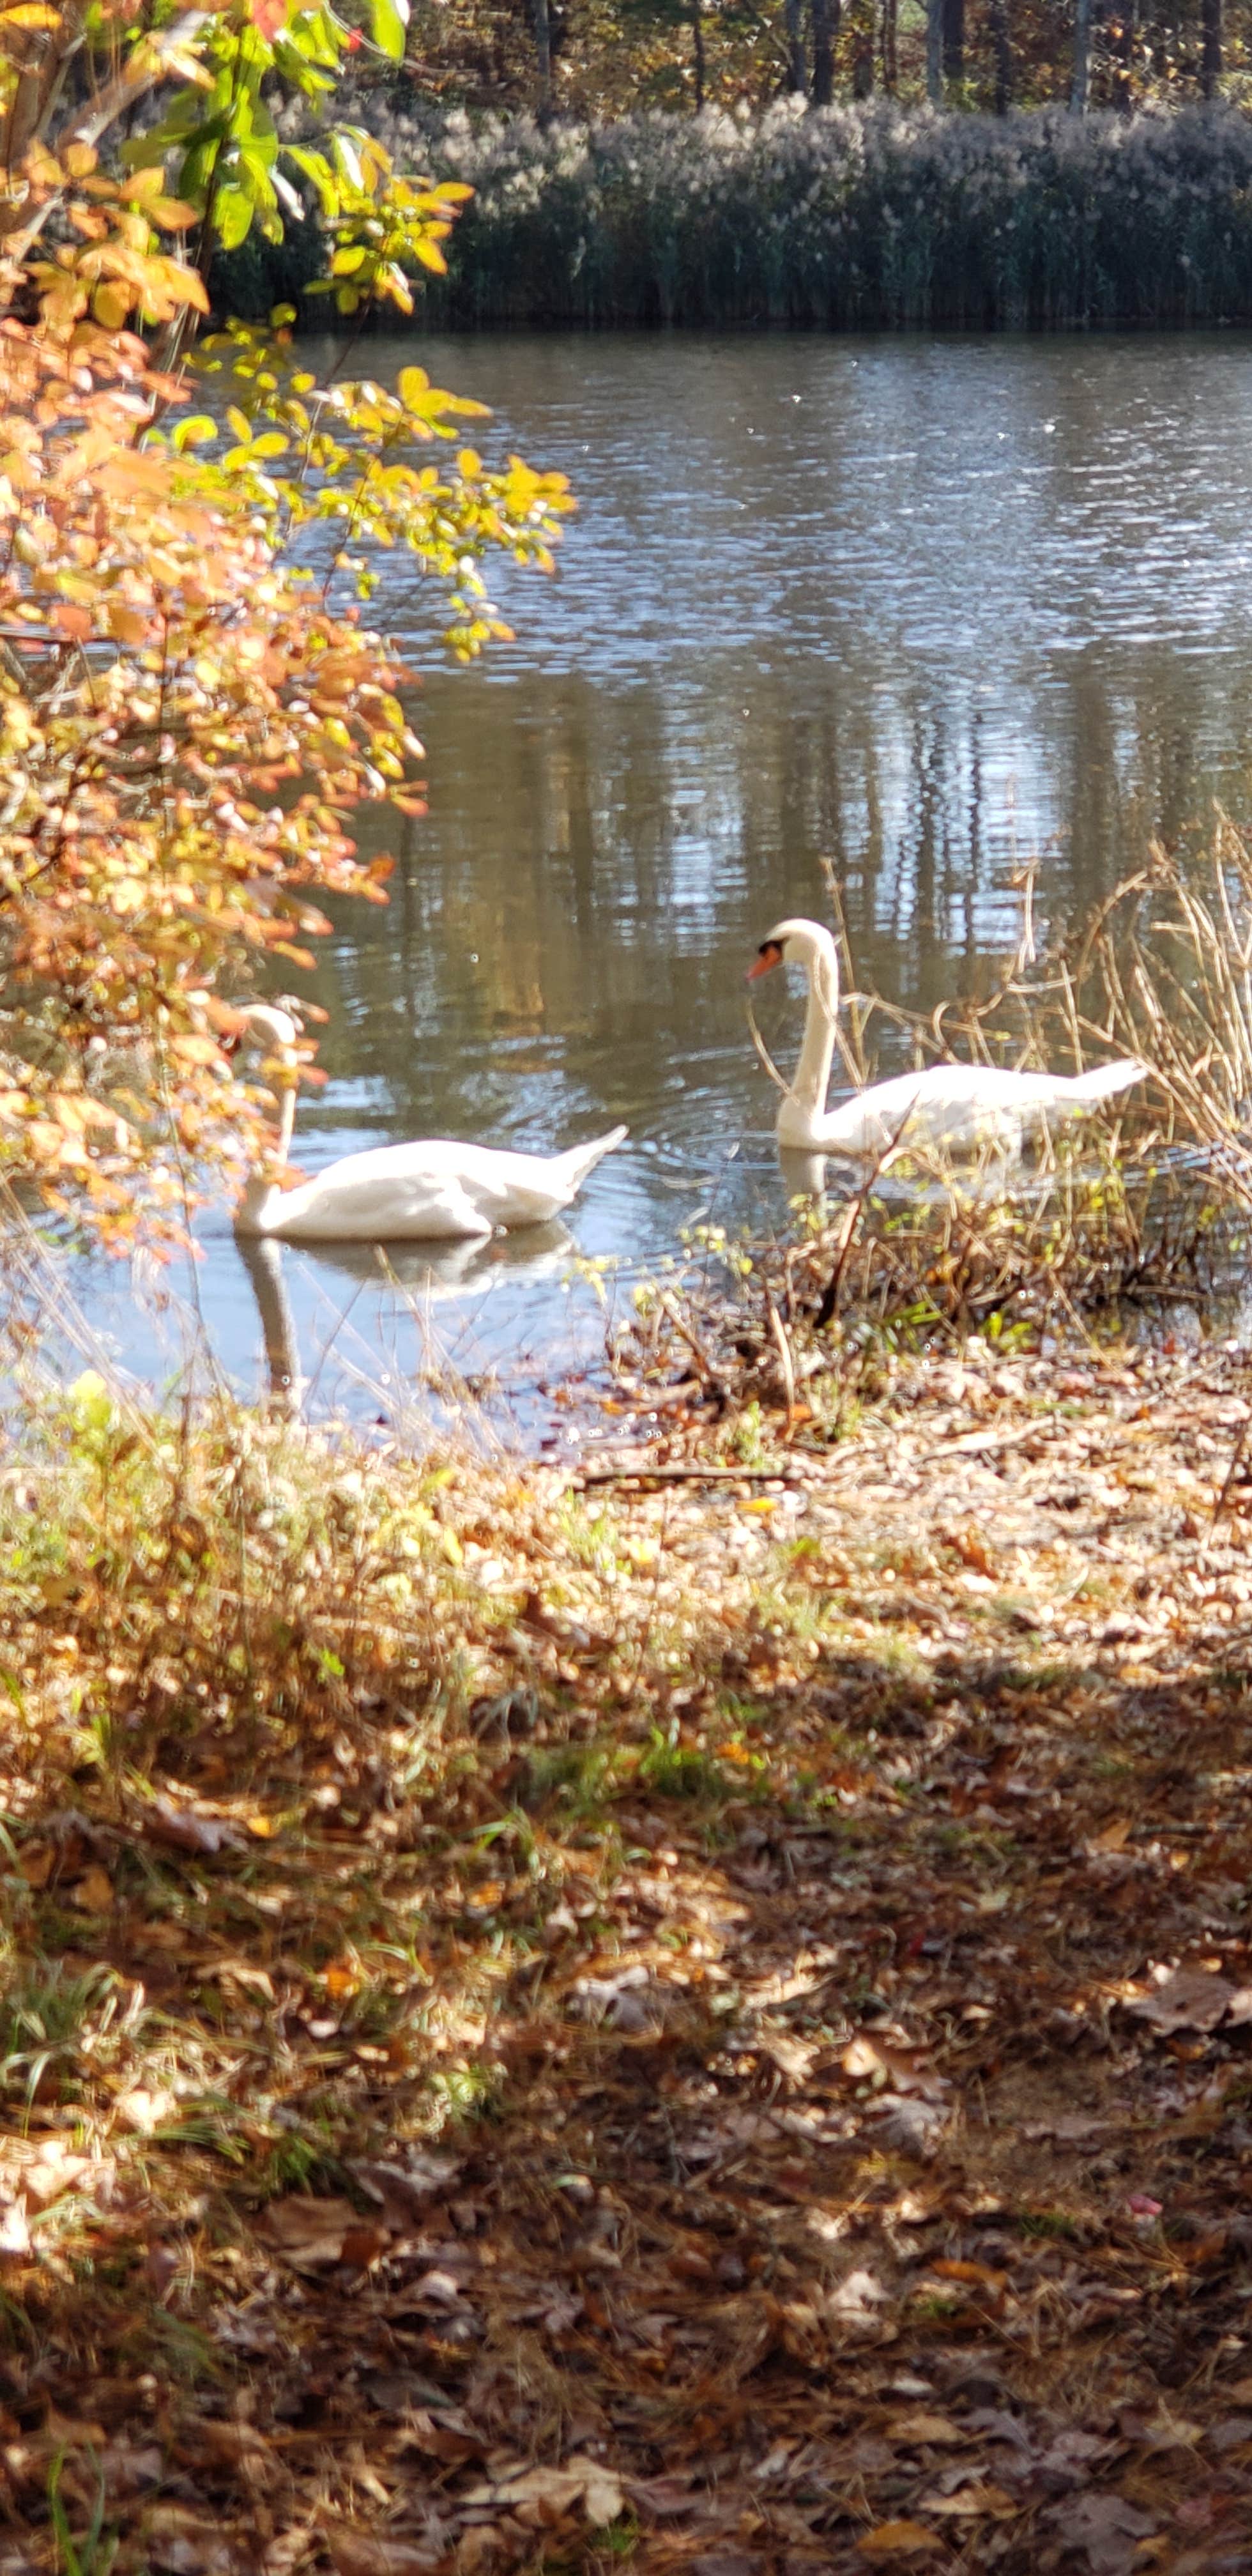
(771, 955)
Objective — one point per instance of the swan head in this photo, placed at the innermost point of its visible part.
(802, 943)
(263, 1025)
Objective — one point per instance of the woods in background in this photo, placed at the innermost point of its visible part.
(603, 57)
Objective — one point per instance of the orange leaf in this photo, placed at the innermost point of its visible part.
(897, 2540)
(978, 2272)
(195, 1050)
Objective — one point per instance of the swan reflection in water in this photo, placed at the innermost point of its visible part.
(427, 1272)
(803, 1174)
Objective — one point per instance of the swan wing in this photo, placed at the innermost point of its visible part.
(432, 1191)
(966, 1104)
(392, 1193)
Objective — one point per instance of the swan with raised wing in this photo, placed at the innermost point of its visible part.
(954, 1105)
(428, 1192)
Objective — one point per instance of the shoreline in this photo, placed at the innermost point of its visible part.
(844, 219)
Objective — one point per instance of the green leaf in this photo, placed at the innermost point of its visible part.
(317, 168)
(388, 21)
(232, 216)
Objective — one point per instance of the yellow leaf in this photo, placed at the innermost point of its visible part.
(897, 2540)
(111, 304)
(30, 13)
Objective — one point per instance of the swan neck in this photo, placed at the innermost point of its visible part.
(258, 1209)
(286, 1122)
(811, 1079)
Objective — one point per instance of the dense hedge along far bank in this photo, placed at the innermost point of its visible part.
(842, 218)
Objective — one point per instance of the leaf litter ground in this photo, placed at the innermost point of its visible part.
(706, 2025)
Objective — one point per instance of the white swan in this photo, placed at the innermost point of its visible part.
(433, 1191)
(955, 1105)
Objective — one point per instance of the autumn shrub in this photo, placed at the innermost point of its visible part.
(193, 701)
(842, 218)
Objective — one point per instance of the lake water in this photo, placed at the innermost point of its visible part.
(920, 607)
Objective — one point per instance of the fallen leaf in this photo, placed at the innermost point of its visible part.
(1192, 1999)
(1231, 2434)
(187, 1828)
(403, 2190)
(897, 2540)
(1106, 2527)
(908, 2122)
(354, 2552)
(94, 1891)
(14, 2232)
(858, 2299)
(35, 1863)
(969, 2501)
(143, 2110)
(181, 2543)
(54, 2169)
(581, 2481)
(921, 2427)
(979, 2273)
(664, 2496)
(310, 2232)
(289, 2550)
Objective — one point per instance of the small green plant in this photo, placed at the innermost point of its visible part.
(747, 1437)
(94, 2552)
(680, 1770)
(46, 2015)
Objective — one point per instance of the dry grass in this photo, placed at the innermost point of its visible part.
(478, 1985)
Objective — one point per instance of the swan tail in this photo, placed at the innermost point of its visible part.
(576, 1166)
(1104, 1080)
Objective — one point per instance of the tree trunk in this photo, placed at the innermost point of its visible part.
(890, 46)
(697, 40)
(1081, 83)
(543, 48)
(934, 51)
(1211, 57)
(1002, 49)
(797, 81)
(1123, 45)
(863, 49)
(954, 40)
(825, 29)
